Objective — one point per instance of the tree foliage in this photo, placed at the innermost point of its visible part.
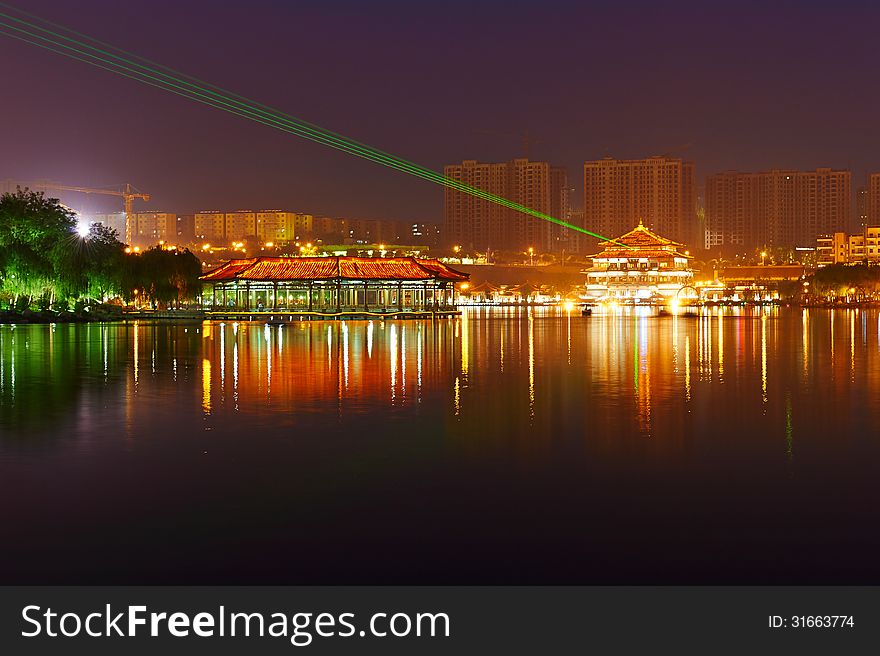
(45, 261)
(34, 233)
(162, 277)
(838, 279)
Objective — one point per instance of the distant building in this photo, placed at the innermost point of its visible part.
(186, 228)
(283, 227)
(240, 225)
(657, 190)
(861, 218)
(749, 284)
(872, 201)
(425, 233)
(149, 228)
(843, 248)
(640, 266)
(210, 227)
(476, 224)
(114, 221)
(745, 211)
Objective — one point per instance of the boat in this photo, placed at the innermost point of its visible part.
(664, 313)
(586, 311)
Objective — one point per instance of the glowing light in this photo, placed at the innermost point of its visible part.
(206, 246)
(83, 230)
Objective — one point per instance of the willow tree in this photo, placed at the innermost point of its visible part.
(34, 230)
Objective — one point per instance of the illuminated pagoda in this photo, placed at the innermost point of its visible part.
(640, 266)
(332, 285)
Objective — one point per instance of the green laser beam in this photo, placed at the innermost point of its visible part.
(350, 146)
(213, 96)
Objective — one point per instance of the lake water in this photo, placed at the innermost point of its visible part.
(507, 446)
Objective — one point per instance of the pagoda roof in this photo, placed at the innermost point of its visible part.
(640, 237)
(641, 241)
(333, 268)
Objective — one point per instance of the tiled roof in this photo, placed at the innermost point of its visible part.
(334, 268)
(640, 237)
(229, 270)
(632, 253)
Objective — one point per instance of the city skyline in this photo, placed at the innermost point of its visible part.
(756, 111)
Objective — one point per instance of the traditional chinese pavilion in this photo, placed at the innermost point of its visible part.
(640, 266)
(332, 285)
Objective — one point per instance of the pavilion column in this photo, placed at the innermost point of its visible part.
(247, 296)
(274, 295)
(425, 296)
(399, 296)
(309, 295)
(366, 303)
(338, 295)
(214, 302)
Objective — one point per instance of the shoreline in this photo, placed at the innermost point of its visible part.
(42, 318)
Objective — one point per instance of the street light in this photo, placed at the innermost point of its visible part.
(763, 256)
(531, 256)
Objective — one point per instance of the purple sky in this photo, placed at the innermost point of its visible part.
(748, 85)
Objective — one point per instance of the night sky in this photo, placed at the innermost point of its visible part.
(730, 85)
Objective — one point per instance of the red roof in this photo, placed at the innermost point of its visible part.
(639, 242)
(633, 253)
(334, 268)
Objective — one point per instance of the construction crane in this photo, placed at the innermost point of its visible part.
(128, 195)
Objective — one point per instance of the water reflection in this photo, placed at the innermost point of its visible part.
(531, 366)
(513, 422)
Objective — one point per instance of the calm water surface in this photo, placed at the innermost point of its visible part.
(518, 446)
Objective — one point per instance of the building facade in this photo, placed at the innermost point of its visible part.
(283, 227)
(872, 200)
(149, 228)
(210, 226)
(745, 211)
(477, 224)
(658, 191)
(640, 266)
(849, 248)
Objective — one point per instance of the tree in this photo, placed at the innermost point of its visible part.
(33, 232)
(163, 277)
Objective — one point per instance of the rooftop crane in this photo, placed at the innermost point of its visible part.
(128, 194)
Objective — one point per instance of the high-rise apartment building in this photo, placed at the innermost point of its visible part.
(478, 224)
(872, 201)
(240, 225)
(745, 211)
(283, 227)
(659, 191)
(861, 218)
(210, 226)
(149, 228)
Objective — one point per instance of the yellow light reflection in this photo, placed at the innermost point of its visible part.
(206, 386)
(764, 359)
